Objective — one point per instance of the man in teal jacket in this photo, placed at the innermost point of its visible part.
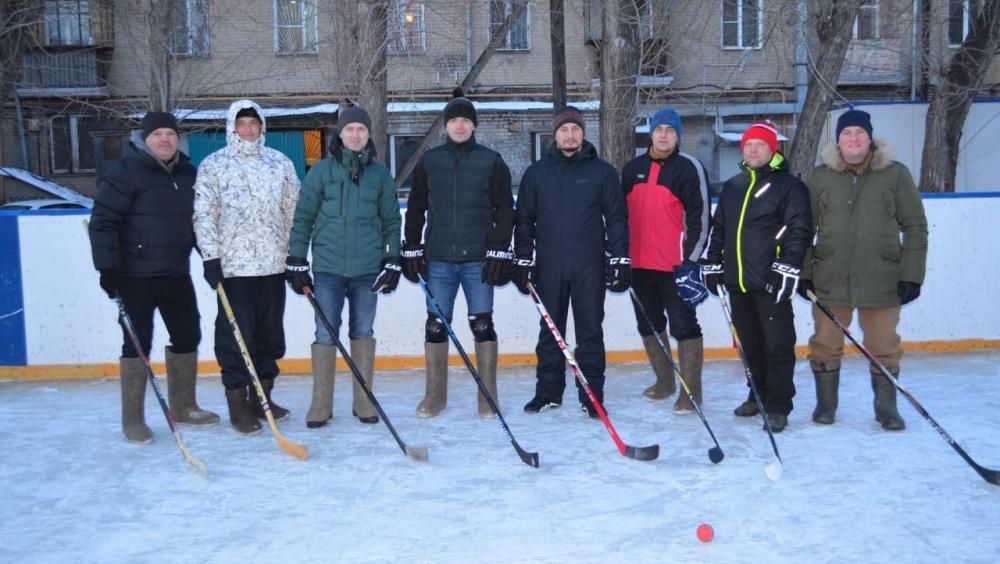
(348, 210)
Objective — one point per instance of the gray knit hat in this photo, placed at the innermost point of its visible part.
(354, 114)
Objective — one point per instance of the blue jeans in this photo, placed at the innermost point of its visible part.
(331, 289)
(443, 280)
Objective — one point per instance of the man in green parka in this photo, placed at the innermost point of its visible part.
(862, 201)
(348, 209)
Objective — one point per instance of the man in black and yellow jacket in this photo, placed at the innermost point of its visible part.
(760, 232)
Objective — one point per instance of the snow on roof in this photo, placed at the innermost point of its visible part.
(47, 185)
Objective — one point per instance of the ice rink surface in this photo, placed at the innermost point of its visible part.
(72, 490)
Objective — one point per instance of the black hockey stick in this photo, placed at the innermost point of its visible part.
(638, 453)
(529, 458)
(416, 453)
(991, 476)
(715, 453)
(126, 323)
(774, 469)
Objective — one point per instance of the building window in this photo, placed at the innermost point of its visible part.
(960, 16)
(540, 141)
(71, 145)
(67, 22)
(866, 25)
(742, 24)
(518, 36)
(295, 28)
(401, 148)
(189, 32)
(406, 28)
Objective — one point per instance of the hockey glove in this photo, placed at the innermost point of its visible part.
(414, 262)
(806, 286)
(388, 279)
(213, 272)
(782, 281)
(907, 291)
(109, 282)
(297, 274)
(713, 275)
(497, 267)
(618, 274)
(524, 272)
(691, 289)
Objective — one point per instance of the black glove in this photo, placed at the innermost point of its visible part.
(524, 272)
(713, 275)
(907, 291)
(806, 286)
(297, 274)
(690, 287)
(213, 272)
(618, 274)
(388, 279)
(498, 267)
(414, 262)
(782, 281)
(109, 281)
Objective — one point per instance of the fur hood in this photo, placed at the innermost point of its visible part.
(882, 156)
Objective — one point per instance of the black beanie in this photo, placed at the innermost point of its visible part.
(854, 117)
(249, 112)
(460, 106)
(354, 114)
(569, 114)
(157, 120)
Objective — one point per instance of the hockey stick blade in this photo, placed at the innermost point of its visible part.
(529, 458)
(774, 470)
(196, 464)
(716, 455)
(416, 453)
(642, 453)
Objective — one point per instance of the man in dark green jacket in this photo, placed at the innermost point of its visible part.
(348, 209)
(862, 200)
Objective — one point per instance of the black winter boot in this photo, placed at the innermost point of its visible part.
(778, 421)
(240, 413)
(540, 403)
(885, 403)
(827, 375)
(277, 411)
(747, 409)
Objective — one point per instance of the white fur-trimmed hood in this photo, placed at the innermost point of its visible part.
(883, 155)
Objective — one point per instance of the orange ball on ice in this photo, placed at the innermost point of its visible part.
(705, 533)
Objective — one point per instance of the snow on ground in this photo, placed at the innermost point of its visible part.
(73, 490)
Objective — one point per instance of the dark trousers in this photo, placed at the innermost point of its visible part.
(658, 293)
(258, 304)
(174, 297)
(558, 286)
(767, 332)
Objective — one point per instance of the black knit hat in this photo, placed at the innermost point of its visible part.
(354, 114)
(249, 112)
(157, 120)
(460, 106)
(569, 114)
(854, 117)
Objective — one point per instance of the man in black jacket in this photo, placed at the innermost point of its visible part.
(142, 236)
(571, 242)
(464, 190)
(760, 232)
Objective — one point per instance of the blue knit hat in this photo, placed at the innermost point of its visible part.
(666, 116)
(855, 117)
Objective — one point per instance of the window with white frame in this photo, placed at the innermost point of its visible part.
(407, 34)
(866, 24)
(70, 145)
(519, 35)
(742, 24)
(295, 27)
(540, 141)
(67, 22)
(189, 32)
(960, 16)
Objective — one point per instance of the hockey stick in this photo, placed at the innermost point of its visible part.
(773, 470)
(126, 323)
(416, 453)
(298, 451)
(991, 476)
(529, 458)
(638, 453)
(715, 453)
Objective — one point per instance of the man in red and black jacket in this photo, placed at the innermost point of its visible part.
(667, 196)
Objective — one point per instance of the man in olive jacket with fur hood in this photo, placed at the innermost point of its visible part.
(862, 200)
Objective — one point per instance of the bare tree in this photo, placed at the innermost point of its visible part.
(19, 24)
(958, 85)
(619, 81)
(829, 33)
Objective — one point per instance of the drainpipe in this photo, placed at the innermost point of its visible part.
(20, 130)
(801, 62)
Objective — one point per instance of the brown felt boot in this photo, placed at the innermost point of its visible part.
(486, 364)
(665, 383)
(324, 369)
(436, 356)
(363, 353)
(133, 382)
(241, 415)
(692, 356)
(182, 381)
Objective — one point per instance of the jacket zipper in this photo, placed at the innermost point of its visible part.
(454, 202)
(739, 231)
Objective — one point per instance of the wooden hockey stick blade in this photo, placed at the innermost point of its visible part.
(416, 453)
(298, 451)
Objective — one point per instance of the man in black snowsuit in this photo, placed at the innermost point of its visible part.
(571, 242)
